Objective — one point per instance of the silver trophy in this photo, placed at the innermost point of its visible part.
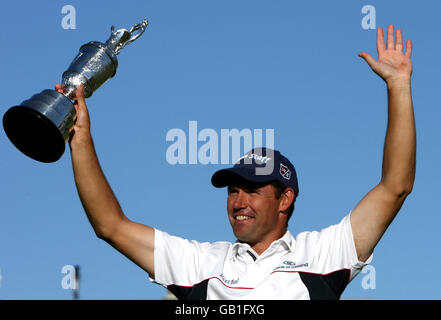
(40, 126)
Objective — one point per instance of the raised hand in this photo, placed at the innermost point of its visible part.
(81, 128)
(392, 64)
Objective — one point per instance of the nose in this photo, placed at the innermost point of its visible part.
(240, 200)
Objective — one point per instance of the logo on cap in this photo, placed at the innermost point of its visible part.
(256, 157)
(285, 172)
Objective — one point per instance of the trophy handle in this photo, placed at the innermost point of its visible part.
(141, 27)
(134, 33)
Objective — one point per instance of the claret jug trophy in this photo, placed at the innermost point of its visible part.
(40, 126)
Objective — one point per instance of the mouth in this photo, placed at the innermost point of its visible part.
(243, 215)
(242, 218)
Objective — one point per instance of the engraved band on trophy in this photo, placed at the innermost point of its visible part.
(40, 126)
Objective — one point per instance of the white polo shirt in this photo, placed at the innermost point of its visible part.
(314, 265)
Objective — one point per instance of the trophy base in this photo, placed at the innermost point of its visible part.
(40, 126)
(33, 134)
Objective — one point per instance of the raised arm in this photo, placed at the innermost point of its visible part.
(134, 240)
(374, 213)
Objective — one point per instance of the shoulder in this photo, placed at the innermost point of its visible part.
(164, 239)
(315, 237)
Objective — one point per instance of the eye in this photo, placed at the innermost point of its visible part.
(254, 189)
(232, 190)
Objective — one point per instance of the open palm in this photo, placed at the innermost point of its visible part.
(392, 64)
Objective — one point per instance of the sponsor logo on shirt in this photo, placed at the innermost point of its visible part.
(228, 281)
(290, 265)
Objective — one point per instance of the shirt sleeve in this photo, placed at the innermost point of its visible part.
(177, 260)
(334, 249)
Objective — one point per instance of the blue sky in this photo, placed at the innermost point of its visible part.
(289, 66)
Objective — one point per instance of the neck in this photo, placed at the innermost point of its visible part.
(260, 246)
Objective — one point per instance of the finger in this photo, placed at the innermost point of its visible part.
(368, 58)
(408, 52)
(380, 41)
(390, 37)
(399, 44)
(59, 88)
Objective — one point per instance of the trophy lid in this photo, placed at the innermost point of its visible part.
(122, 37)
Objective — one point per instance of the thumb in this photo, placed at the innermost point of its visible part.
(81, 107)
(368, 58)
(79, 97)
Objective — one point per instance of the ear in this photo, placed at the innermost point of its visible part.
(286, 199)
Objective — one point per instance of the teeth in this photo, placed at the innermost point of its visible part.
(242, 218)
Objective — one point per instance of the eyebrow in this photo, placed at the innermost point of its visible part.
(246, 187)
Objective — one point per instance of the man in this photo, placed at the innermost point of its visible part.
(266, 262)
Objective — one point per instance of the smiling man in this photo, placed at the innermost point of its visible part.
(266, 261)
(255, 201)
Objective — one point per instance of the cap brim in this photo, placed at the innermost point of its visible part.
(225, 177)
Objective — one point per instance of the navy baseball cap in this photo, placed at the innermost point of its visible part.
(259, 165)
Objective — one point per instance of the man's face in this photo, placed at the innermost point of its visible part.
(253, 211)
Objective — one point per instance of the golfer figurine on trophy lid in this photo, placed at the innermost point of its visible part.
(40, 126)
